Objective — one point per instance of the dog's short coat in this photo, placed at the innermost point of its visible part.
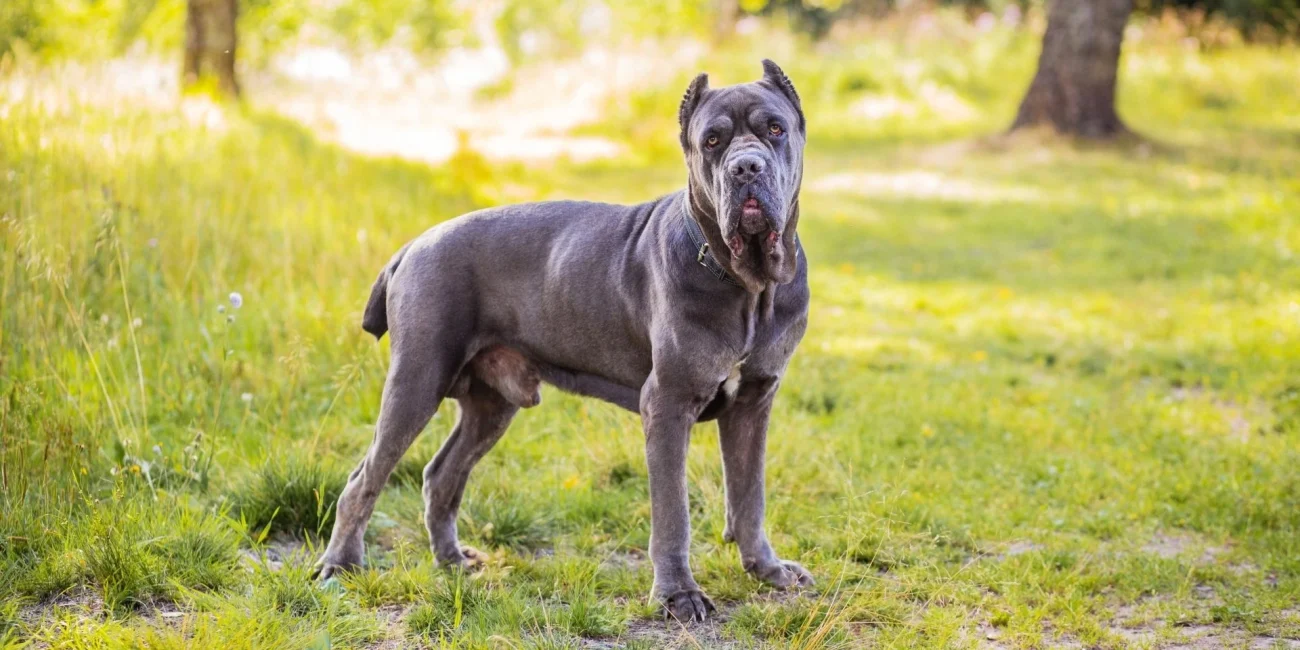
(684, 309)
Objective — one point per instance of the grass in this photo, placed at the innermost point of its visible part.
(1048, 394)
(292, 496)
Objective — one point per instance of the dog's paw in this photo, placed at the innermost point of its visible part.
(784, 575)
(326, 570)
(467, 558)
(687, 605)
(474, 558)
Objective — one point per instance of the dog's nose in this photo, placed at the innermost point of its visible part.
(746, 167)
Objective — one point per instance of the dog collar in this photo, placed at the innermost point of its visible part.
(702, 254)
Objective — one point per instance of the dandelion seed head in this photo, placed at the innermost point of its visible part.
(246, 398)
(135, 324)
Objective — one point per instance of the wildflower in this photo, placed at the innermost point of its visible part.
(103, 319)
(230, 318)
(236, 300)
(153, 242)
(157, 450)
(571, 482)
(927, 430)
(980, 355)
(135, 324)
(247, 398)
(221, 309)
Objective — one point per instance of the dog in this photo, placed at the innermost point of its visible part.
(684, 309)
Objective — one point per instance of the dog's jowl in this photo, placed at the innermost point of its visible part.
(683, 309)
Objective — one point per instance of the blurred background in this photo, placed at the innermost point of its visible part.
(1048, 397)
(531, 80)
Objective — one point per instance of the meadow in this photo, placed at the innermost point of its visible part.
(1049, 395)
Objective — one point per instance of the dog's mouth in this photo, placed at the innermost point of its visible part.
(754, 237)
(755, 251)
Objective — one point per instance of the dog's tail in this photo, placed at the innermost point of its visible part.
(375, 319)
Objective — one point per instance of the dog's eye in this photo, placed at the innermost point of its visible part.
(711, 142)
(775, 129)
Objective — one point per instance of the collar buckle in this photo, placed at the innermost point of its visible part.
(702, 254)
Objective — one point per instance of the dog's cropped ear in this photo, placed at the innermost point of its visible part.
(690, 100)
(773, 74)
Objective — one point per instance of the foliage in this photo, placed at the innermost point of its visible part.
(76, 28)
(1253, 16)
(525, 29)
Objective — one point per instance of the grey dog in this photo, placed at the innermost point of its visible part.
(683, 309)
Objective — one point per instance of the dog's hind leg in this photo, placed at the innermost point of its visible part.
(415, 386)
(484, 415)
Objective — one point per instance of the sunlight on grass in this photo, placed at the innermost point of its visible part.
(1048, 393)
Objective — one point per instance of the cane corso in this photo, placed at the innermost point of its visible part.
(683, 309)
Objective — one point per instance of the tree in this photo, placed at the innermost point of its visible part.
(210, 43)
(1074, 89)
(728, 14)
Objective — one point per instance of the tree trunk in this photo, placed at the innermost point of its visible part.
(210, 44)
(1074, 89)
(724, 24)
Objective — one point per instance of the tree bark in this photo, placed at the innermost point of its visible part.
(724, 24)
(1074, 89)
(210, 44)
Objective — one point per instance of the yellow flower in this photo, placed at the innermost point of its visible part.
(1004, 293)
(846, 268)
(980, 356)
(135, 468)
(571, 482)
(927, 430)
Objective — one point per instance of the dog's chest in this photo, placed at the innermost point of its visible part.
(768, 342)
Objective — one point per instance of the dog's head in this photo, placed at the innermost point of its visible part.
(744, 152)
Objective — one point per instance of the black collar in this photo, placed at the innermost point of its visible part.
(701, 248)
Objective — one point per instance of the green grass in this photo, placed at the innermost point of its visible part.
(1048, 395)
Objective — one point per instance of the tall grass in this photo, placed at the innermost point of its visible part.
(1047, 394)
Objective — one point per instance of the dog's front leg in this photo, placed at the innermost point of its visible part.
(667, 419)
(742, 432)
